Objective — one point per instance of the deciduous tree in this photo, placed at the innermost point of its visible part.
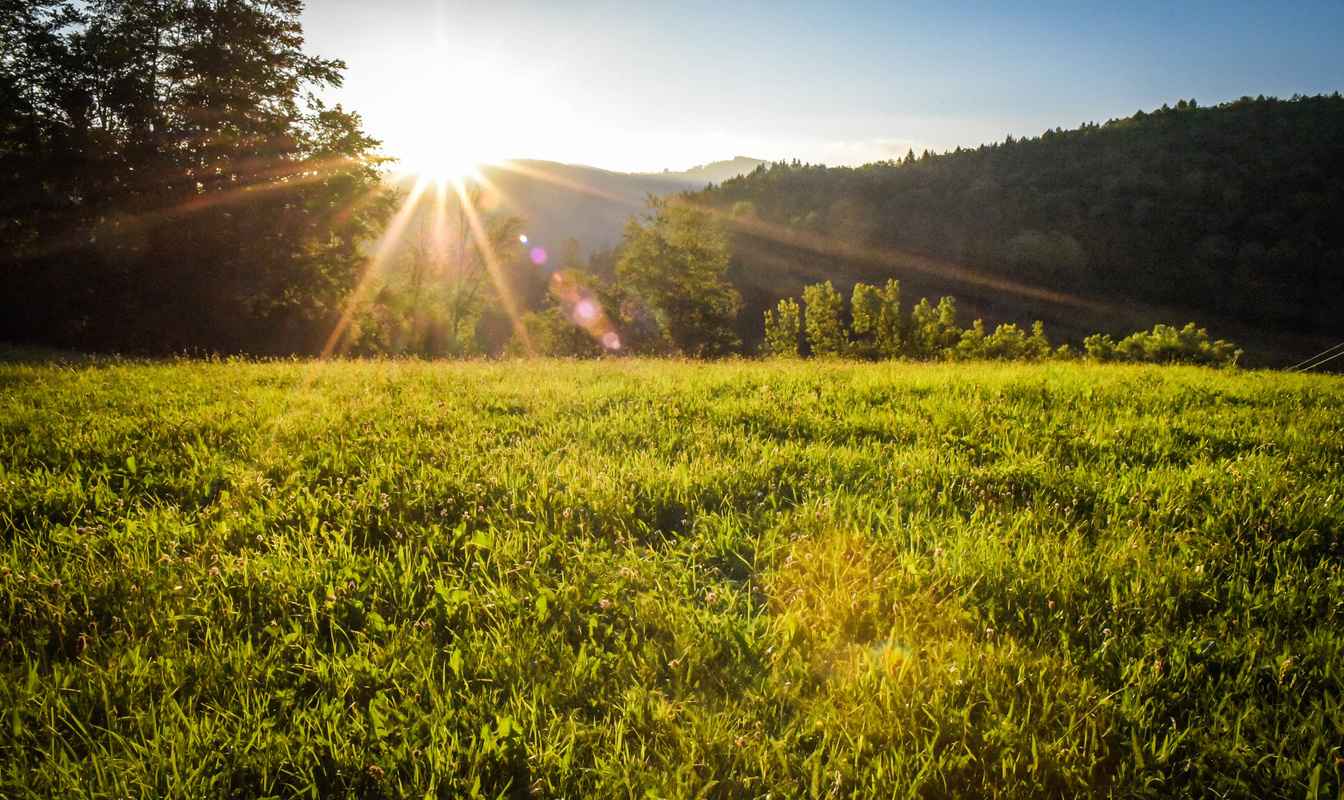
(825, 334)
(782, 328)
(174, 184)
(675, 261)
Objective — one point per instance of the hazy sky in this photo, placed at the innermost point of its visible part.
(643, 86)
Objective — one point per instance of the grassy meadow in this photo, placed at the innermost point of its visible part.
(631, 579)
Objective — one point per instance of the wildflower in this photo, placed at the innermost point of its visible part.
(798, 594)
(374, 772)
(605, 603)
(214, 570)
(1105, 631)
(989, 631)
(56, 584)
(711, 597)
(627, 573)
(938, 553)
(331, 598)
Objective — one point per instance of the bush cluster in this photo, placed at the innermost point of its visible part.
(1164, 345)
(878, 330)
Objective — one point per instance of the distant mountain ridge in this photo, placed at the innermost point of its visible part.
(714, 172)
(562, 201)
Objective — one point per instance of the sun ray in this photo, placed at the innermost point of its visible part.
(275, 180)
(895, 259)
(492, 265)
(386, 247)
(580, 186)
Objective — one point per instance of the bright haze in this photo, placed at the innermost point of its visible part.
(647, 86)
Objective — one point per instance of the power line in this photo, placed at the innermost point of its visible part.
(1318, 355)
(1322, 361)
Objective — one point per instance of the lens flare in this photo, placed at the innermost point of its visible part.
(585, 312)
(522, 237)
(538, 256)
(581, 307)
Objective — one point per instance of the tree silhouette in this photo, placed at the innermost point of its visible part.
(167, 184)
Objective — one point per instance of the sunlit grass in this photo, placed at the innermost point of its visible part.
(631, 578)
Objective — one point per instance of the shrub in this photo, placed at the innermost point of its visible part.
(1165, 345)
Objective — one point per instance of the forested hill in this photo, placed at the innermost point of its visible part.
(1229, 213)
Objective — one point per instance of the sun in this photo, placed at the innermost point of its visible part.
(444, 165)
(433, 147)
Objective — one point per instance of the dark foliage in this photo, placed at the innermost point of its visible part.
(164, 184)
(1231, 210)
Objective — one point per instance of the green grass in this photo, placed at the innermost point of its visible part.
(628, 579)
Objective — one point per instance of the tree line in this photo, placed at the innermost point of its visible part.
(878, 329)
(670, 296)
(1232, 209)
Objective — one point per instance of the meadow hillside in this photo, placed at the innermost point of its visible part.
(627, 578)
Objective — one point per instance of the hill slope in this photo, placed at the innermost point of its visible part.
(1229, 216)
(560, 201)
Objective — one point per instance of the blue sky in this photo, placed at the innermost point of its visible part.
(646, 86)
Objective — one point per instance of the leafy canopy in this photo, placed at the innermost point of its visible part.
(170, 181)
(675, 261)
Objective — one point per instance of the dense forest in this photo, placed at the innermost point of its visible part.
(1230, 210)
